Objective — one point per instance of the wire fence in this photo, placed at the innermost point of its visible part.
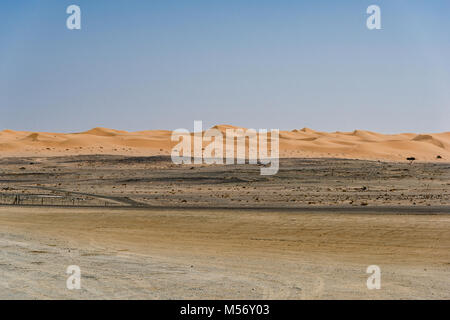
(47, 200)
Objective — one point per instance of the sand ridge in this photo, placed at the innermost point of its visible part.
(304, 143)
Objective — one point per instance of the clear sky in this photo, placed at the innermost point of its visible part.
(161, 64)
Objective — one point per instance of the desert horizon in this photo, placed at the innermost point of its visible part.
(296, 143)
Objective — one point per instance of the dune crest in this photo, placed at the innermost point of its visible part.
(303, 143)
(105, 132)
(430, 139)
(223, 127)
(307, 130)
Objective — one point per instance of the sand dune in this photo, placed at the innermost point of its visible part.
(358, 144)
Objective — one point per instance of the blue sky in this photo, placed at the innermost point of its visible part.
(138, 65)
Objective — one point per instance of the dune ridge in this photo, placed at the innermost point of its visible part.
(304, 143)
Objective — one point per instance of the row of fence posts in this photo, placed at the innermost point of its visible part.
(17, 200)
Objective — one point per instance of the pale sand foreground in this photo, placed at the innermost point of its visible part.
(186, 253)
(304, 143)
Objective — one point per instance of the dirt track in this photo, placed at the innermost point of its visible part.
(156, 182)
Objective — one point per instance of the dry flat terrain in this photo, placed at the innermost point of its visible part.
(177, 254)
(141, 227)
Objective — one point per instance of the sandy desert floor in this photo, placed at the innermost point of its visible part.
(143, 228)
(214, 254)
